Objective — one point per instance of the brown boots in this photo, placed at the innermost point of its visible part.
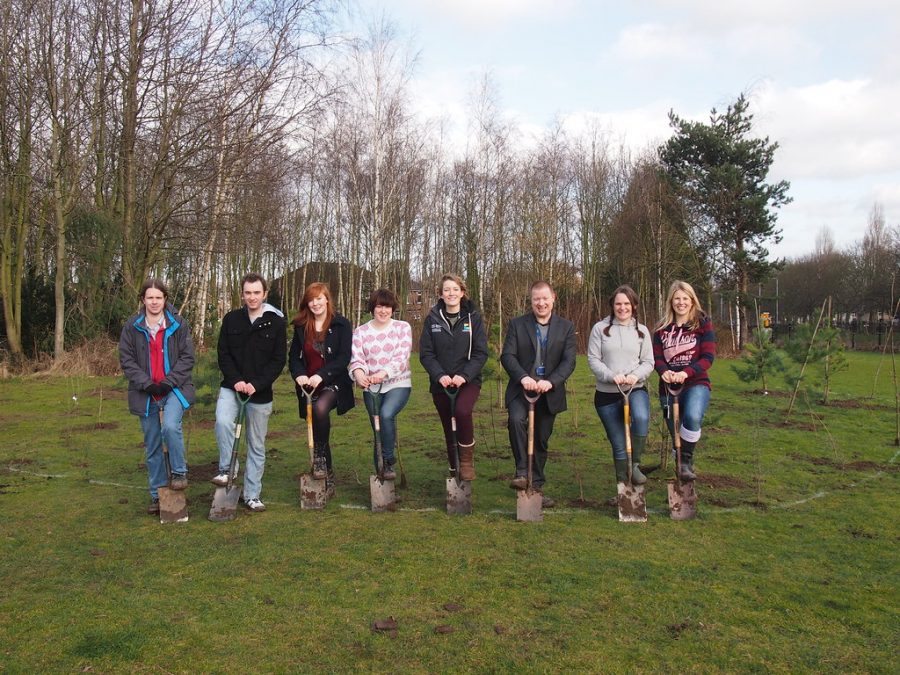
(467, 461)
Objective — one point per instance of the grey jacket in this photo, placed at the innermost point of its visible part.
(178, 357)
(621, 352)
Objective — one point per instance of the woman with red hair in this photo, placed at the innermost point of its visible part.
(320, 354)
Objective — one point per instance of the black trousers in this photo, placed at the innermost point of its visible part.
(518, 436)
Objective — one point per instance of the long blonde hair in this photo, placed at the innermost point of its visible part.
(694, 315)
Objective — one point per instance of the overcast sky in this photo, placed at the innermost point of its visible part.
(823, 77)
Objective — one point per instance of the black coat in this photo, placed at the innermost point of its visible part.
(338, 345)
(458, 350)
(520, 349)
(252, 353)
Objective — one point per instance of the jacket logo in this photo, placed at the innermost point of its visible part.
(435, 328)
(467, 328)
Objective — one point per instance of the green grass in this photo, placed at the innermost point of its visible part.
(791, 565)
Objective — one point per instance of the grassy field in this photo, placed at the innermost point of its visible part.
(791, 565)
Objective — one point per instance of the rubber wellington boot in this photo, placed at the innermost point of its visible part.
(687, 461)
(638, 443)
(621, 470)
(467, 461)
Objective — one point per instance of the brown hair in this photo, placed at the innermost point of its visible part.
(305, 317)
(382, 297)
(252, 278)
(456, 279)
(629, 293)
(696, 310)
(541, 284)
(153, 282)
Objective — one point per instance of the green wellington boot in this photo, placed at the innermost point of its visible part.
(638, 445)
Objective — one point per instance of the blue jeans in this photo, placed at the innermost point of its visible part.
(169, 432)
(256, 425)
(392, 402)
(613, 418)
(692, 404)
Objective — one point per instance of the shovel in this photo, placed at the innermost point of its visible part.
(312, 490)
(631, 502)
(225, 499)
(459, 491)
(682, 498)
(529, 501)
(381, 490)
(172, 503)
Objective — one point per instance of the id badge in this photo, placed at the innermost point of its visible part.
(540, 370)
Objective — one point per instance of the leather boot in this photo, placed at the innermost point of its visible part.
(319, 466)
(467, 461)
(687, 460)
(638, 444)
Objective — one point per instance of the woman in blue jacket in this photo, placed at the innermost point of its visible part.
(453, 349)
(157, 356)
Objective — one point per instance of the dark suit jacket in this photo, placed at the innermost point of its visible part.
(520, 348)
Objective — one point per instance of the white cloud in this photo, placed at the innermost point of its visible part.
(651, 42)
(834, 129)
(487, 14)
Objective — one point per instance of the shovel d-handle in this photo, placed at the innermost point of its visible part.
(308, 392)
(531, 401)
(627, 412)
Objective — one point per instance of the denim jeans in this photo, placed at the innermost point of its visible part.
(169, 432)
(255, 427)
(613, 418)
(692, 404)
(392, 402)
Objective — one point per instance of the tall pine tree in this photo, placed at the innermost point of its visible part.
(719, 171)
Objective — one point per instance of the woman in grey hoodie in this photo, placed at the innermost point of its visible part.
(620, 354)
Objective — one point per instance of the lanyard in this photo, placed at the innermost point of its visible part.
(542, 341)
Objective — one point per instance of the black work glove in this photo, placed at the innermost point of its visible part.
(159, 389)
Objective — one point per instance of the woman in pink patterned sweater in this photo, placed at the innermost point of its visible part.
(380, 356)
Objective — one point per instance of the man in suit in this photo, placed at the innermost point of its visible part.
(539, 356)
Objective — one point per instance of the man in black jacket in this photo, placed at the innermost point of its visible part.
(252, 350)
(539, 356)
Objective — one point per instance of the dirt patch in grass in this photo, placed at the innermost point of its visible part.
(722, 503)
(281, 434)
(96, 426)
(791, 424)
(586, 504)
(858, 465)
(717, 481)
(203, 472)
(677, 629)
(109, 394)
(20, 461)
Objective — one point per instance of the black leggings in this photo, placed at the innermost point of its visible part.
(323, 403)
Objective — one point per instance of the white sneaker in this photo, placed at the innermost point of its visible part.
(222, 479)
(255, 504)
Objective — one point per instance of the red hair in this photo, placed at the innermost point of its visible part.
(305, 317)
